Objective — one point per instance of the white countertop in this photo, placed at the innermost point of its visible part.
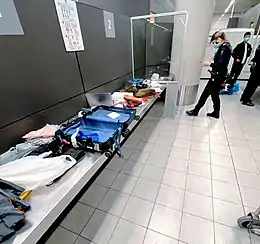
(47, 203)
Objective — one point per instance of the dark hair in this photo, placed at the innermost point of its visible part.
(247, 34)
(218, 34)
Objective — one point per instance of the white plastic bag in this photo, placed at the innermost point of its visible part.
(33, 171)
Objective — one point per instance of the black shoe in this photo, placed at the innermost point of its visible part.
(249, 100)
(192, 112)
(213, 115)
(248, 103)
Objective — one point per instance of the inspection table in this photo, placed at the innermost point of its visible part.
(48, 203)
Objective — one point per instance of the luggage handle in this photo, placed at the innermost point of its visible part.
(84, 111)
(117, 142)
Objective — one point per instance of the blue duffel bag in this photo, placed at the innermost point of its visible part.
(231, 91)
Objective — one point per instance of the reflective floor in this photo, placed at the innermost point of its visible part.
(181, 181)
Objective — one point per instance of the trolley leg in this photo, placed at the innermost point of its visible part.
(257, 212)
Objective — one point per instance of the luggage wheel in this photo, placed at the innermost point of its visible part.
(137, 117)
(250, 222)
(108, 154)
(125, 133)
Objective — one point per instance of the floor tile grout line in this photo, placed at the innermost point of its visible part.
(250, 238)
(119, 217)
(171, 186)
(98, 204)
(197, 216)
(239, 190)
(151, 212)
(129, 195)
(183, 203)
(213, 209)
(237, 181)
(157, 192)
(84, 239)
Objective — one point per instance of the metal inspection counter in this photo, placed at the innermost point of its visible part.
(48, 203)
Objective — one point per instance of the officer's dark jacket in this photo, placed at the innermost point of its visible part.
(256, 60)
(239, 50)
(221, 60)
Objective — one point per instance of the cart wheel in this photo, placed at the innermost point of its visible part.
(245, 222)
(137, 117)
(108, 154)
(125, 133)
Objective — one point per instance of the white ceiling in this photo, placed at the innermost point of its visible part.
(241, 6)
(161, 6)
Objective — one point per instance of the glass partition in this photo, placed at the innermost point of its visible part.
(157, 44)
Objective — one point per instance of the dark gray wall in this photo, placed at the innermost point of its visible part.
(32, 66)
(124, 7)
(104, 59)
(42, 83)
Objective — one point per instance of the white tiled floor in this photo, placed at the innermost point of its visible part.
(181, 181)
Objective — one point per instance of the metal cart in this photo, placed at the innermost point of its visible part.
(251, 222)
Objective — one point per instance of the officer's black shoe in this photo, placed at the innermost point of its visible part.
(213, 115)
(250, 100)
(248, 103)
(192, 112)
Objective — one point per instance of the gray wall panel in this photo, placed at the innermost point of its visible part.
(104, 59)
(36, 72)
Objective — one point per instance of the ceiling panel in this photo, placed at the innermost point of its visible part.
(241, 6)
(161, 6)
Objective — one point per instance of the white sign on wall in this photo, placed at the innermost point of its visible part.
(69, 23)
(109, 24)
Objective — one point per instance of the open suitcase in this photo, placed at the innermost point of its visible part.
(99, 129)
(114, 115)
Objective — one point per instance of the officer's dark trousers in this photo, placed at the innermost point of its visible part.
(236, 71)
(212, 89)
(251, 87)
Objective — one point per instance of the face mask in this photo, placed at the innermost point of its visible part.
(246, 39)
(216, 45)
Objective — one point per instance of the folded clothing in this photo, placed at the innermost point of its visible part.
(12, 209)
(46, 131)
(17, 152)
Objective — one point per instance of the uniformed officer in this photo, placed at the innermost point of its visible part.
(240, 54)
(254, 80)
(218, 74)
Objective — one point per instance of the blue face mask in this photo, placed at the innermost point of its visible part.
(246, 39)
(216, 45)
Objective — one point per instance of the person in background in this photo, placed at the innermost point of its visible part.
(240, 54)
(254, 80)
(218, 74)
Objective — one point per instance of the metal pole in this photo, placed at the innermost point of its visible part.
(132, 48)
(232, 11)
(159, 15)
